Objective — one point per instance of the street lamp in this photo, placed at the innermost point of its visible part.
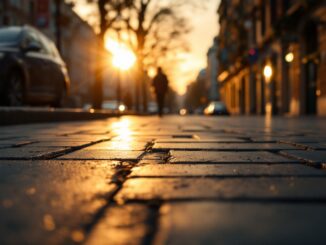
(268, 72)
(289, 57)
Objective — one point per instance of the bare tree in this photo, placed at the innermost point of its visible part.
(154, 28)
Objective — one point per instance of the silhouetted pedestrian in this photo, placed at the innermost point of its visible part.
(160, 84)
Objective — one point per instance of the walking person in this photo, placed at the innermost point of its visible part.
(160, 84)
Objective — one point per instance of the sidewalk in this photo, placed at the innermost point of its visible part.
(175, 180)
(23, 115)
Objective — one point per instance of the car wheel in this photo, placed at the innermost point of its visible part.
(15, 93)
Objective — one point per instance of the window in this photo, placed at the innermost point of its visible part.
(46, 47)
(9, 35)
(30, 37)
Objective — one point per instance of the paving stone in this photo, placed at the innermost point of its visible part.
(29, 152)
(227, 157)
(5, 146)
(170, 133)
(284, 188)
(223, 170)
(42, 202)
(209, 135)
(220, 146)
(127, 224)
(120, 145)
(314, 146)
(286, 139)
(133, 138)
(57, 143)
(5, 136)
(155, 156)
(67, 138)
(85, 154)
(15, 142)
(266, 139)
(309, 156)
(219, 140)
(242, 223)
(62, 195)
(194, 129)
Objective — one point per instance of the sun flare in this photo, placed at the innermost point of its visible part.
(122, 57)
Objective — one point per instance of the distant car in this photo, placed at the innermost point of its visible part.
(152, 108)
(113, 105)
(216, 108)
(31, 69)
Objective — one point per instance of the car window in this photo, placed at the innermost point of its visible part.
(220, 106)
(34, 37)
(30, 37)
(9, 35)
(46, 45)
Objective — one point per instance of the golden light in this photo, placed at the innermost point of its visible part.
(151, 72)
(122, 108)
(123, 57)
(223, 76)
(268, 71)
(209, 110)
(183, 112)
(289, 57)
(122, 131)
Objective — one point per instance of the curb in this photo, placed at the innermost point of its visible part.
(26, 115)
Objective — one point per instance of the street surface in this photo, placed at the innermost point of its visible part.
(170, 180)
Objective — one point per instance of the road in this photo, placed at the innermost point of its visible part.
(170, 180)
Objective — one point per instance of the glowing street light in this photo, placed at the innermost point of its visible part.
(268, 72)
(122, 108)
(289, 57)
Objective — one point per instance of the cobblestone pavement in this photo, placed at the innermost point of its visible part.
(176, 180)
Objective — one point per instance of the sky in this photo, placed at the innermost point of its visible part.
(205, 28)
(204, 24)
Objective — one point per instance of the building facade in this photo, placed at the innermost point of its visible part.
(212, 71)
(75, 39)
(272, 56)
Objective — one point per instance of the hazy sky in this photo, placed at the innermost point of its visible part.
(205, 27)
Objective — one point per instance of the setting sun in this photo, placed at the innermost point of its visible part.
(122, 57)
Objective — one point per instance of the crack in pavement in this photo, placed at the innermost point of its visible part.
(122, 174)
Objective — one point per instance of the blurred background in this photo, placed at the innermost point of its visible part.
(221, 57)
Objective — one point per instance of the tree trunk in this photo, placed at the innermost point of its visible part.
(143, 86)
(137, 88)
(141, 83)
(98, 84)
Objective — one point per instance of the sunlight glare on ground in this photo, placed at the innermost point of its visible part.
(124, 134)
